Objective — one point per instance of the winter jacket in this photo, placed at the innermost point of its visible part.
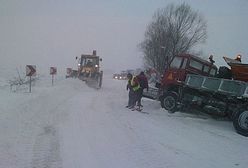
(133, 84)
(143, 81)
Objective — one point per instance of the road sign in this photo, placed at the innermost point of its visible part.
(53, 70)
(30, 70)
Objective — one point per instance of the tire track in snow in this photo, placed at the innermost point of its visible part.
(46, 152)
(46, 148)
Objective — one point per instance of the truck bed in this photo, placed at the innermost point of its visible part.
(223, 86)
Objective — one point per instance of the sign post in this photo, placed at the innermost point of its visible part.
(30, 84)
(52, 79)
(53, 71)
(30, 71)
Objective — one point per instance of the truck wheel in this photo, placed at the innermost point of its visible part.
(169, 102)
(240, 122)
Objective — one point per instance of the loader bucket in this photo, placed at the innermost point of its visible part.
(95, 82)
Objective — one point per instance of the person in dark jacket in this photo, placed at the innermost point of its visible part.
(238, 58)
(133, 87)
(143, 85)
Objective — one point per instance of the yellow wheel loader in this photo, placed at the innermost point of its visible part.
(89, 70)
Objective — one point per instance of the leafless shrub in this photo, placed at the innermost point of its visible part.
(21, 82)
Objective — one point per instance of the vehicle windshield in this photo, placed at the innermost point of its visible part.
(176, 63)
(88, 61)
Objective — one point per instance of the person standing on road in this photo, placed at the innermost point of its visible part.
(143, 85)
(133, 87)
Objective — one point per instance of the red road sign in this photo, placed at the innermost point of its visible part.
(30, 70)
(53, 70)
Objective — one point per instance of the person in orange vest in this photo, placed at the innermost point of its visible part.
(133, 86)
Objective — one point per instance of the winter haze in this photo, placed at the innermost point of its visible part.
(52, 33)
(72, 125)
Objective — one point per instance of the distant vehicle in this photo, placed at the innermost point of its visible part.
(190, 82)
(116, 76)
(122, 76)
(72, 74)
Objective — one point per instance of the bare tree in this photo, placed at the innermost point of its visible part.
(173, 30)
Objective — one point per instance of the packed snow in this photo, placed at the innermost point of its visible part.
(71, 125)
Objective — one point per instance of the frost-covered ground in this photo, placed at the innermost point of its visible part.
(70, 125)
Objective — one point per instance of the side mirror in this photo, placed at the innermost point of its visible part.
(76, 58)
(100, 59)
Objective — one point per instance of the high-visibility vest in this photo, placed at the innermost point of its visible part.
(135, 88)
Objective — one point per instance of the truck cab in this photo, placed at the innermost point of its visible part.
(181, 65)
(88, 65)
(184, 64)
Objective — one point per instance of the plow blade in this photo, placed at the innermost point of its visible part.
(95, 82)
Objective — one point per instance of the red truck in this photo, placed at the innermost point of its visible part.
(190, 81)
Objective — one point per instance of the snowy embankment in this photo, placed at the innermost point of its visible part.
(72, 125)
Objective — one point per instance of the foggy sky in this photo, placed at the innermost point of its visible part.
(53, 32)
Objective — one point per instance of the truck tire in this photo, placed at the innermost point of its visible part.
(169, 102)
(240, 122)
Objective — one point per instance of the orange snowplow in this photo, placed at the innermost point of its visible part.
(239, 70)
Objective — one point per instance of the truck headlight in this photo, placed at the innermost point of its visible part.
(96, 66)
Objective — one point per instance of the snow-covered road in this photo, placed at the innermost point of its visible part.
(71, 125)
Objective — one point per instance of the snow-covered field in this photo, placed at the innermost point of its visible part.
(70, 125)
